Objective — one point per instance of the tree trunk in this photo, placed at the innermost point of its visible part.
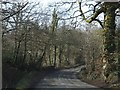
(55, 47)
(68, 55)
(39, 62)
(118, 51)
(60, 54)
(17, 52)
(25, 50)
(50, 59)
(109, 39)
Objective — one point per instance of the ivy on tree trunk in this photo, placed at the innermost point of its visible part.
(109, 38)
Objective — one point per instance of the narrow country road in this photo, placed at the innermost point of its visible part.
(63, 79)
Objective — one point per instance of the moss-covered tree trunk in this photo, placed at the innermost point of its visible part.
(109, 39)
(118, 51)
(108, 8)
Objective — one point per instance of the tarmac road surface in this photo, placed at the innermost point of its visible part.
(63, 79)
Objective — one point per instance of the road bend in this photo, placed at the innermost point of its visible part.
(64, 79)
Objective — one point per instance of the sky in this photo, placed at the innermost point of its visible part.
(44, 2)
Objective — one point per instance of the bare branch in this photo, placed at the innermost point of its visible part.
(4, 32)
(99, 22)
(93, 17)
(117, 14)
(68, 2)
(69, 18)
(14, 12)
(96, 6)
